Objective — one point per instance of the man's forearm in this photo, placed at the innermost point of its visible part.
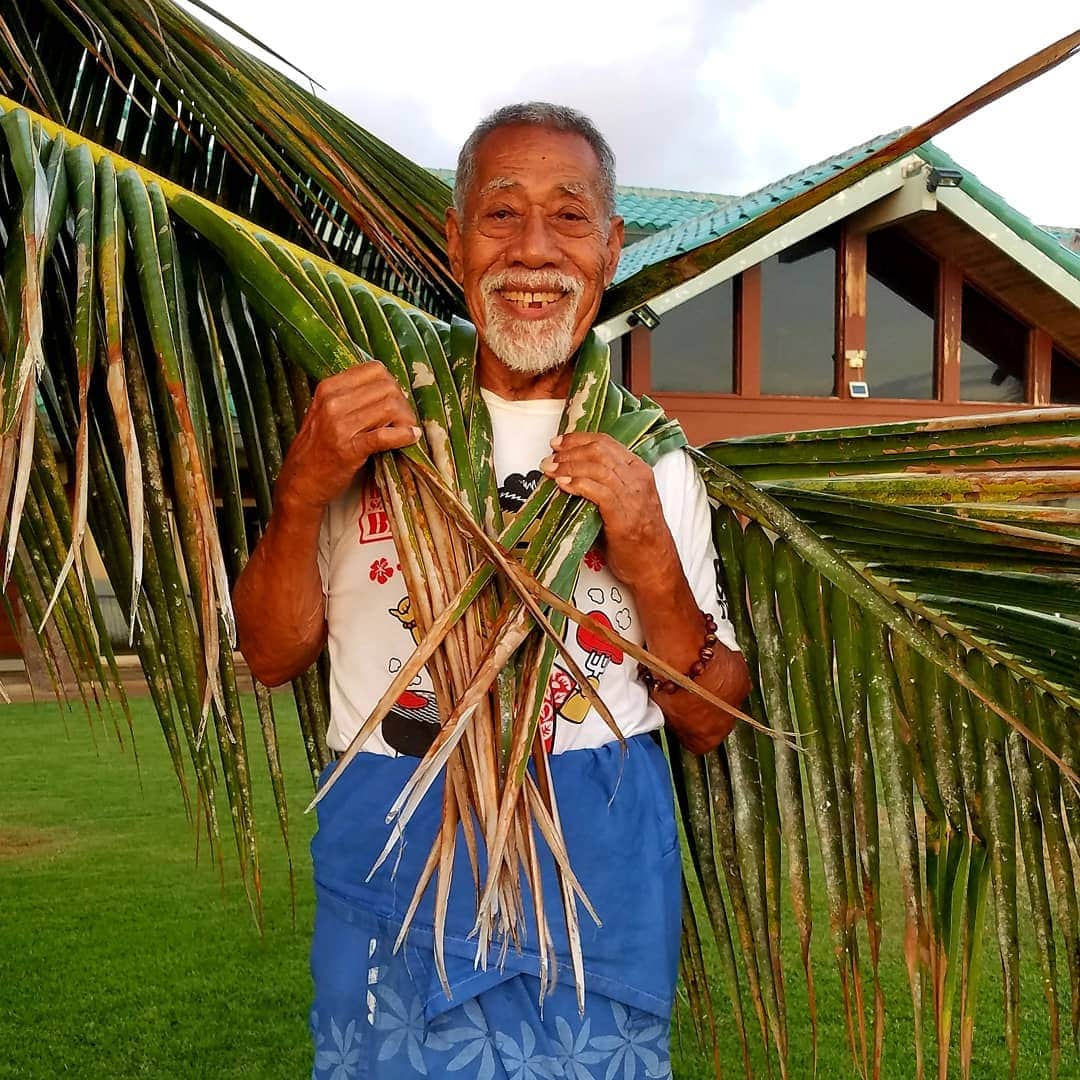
(674, 630)
(278, 599)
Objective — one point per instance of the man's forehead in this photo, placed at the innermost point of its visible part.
(535, 157)
(508, 183)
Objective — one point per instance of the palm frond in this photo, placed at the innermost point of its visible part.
(163, 89)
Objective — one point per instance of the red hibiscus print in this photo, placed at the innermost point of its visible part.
(381, 571)
(594, 560)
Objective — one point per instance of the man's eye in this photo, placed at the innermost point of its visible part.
(500, 215)
(572, 215)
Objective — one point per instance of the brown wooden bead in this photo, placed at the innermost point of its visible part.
(705, 654)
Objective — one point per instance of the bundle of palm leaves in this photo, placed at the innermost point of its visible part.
(906, 596)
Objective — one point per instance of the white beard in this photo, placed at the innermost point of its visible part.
(530, 346)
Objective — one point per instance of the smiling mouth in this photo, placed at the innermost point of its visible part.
(533, 300)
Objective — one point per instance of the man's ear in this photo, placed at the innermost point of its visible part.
(616, 233)
(453, 245)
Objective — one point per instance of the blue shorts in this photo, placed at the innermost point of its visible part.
(385, 1015)
(370, 1019)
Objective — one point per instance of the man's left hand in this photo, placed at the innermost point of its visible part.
(639, 545)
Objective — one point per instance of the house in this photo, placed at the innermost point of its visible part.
(914, 291)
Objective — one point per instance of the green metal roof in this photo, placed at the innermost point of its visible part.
(697, 231)
(713, 224)
(657, 208)
(1069, 237)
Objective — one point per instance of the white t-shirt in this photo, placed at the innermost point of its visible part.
(371, 631)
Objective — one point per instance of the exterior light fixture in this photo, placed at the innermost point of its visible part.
(943, 178)
(644, 316)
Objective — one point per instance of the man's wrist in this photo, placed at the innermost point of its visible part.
(294, 512)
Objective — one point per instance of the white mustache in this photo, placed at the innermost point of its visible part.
(531, 281)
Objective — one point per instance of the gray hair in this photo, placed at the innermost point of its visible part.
(538, 114)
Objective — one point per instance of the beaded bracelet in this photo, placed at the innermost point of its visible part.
(705, 654)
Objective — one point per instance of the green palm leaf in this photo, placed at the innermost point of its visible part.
(161, 88)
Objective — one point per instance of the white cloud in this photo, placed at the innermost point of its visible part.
(698, 94)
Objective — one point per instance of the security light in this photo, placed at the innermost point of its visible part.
(645, 316)
(943, 178)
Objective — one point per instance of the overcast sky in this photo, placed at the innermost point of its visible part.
(706, 95)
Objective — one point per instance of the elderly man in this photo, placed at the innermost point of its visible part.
(533, 240)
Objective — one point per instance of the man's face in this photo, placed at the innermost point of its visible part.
(535, 247)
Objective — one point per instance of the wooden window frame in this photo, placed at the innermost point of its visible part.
(947, 331)
(747, 304)
(850, 313)
(1040, 358)
(638, 364)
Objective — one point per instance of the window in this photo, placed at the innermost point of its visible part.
(798, 325)
(693, 347)
(1064, 379)
(901, 304)
(993, 350)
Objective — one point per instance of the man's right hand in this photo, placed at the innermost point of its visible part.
(278, 599)
(353, 415)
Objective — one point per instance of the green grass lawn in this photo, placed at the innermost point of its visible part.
(119, 957)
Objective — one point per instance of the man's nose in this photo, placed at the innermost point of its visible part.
(535, 243)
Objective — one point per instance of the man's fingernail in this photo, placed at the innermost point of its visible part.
(562, 481)
(416, 433)
(548, 463)
(556, 442)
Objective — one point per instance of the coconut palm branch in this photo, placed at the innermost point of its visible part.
(911, 630)
(151, 82)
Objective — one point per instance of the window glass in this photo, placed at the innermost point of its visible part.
(1064, 379)
(798, 324)
(901, 304)
(694, 345)
(993, 350)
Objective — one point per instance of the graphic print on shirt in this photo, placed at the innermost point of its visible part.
(516, 488)
(369, 640)
(412, 723)
(513, 492)
(372, 519)
(721, 599)
(605, 606)
(598, 655)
